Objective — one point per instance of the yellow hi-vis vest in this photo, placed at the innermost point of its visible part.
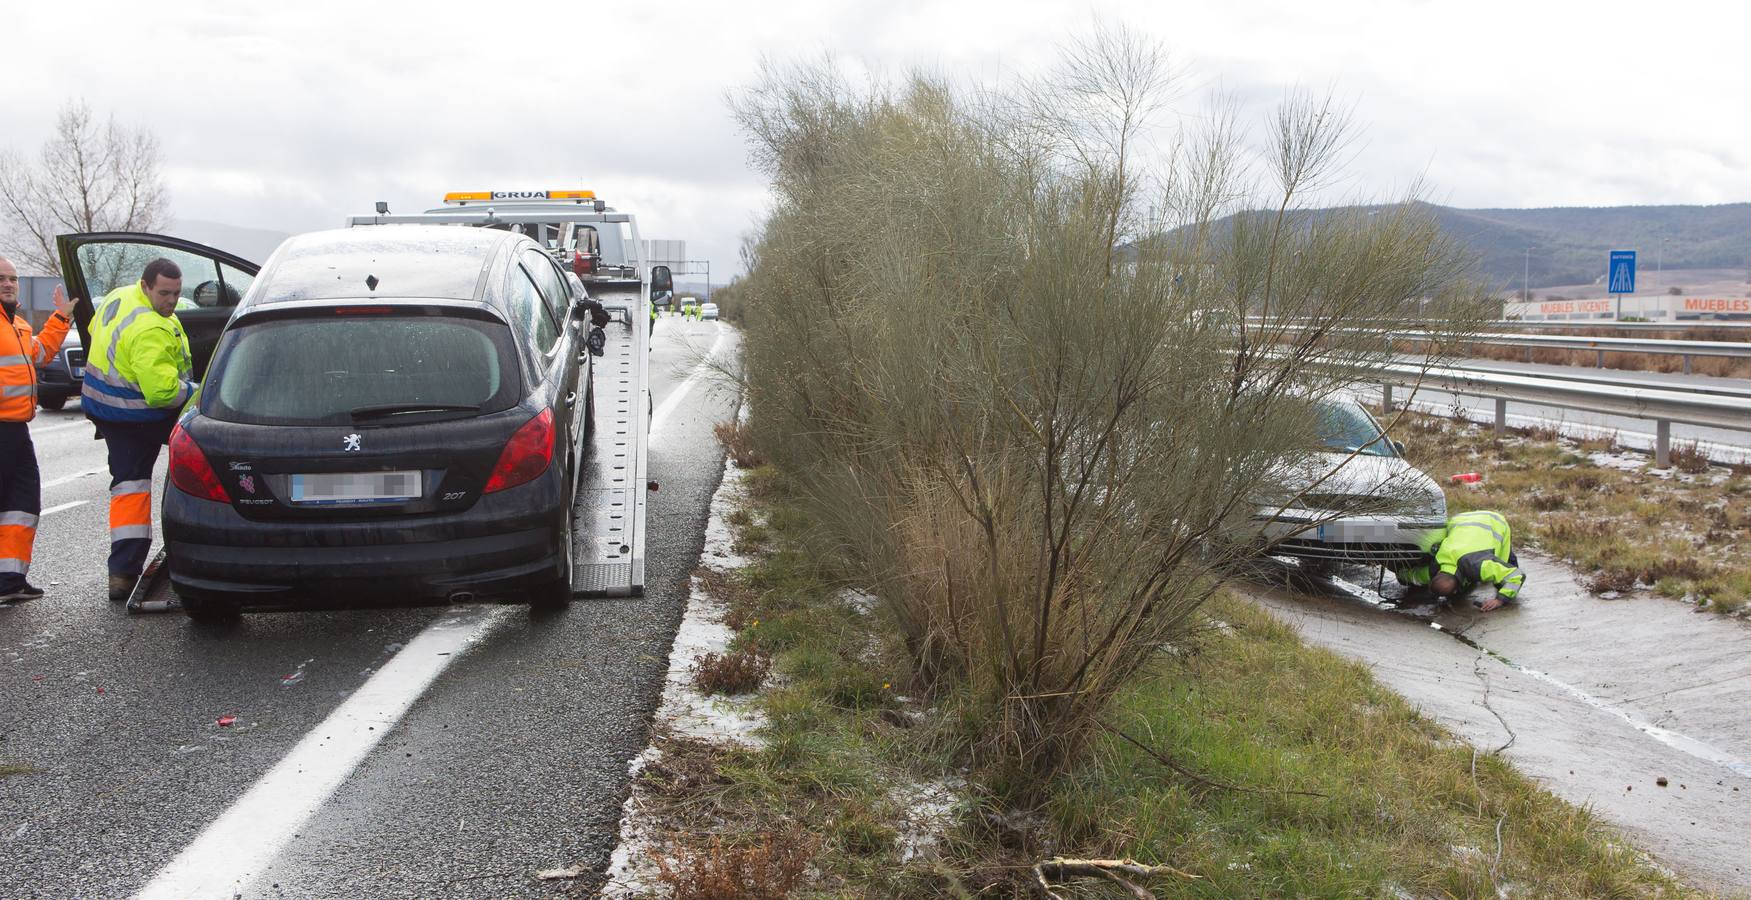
(138, 367)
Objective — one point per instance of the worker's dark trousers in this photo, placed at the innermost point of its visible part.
(133, 451)
(21, 498)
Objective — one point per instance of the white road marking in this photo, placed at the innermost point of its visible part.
(69, 479)
(51, 429)
(64, 507)
(1676, 740)
(674, 399)
(238, 846)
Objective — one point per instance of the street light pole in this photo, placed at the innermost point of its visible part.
(1526, 278)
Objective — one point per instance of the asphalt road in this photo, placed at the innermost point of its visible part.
(511, 760)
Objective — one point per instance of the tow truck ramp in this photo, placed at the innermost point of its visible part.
(608, 512)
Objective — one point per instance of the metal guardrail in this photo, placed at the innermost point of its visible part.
(1662, 406)
(1599, 345)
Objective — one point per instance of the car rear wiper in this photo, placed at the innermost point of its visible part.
(398, 409)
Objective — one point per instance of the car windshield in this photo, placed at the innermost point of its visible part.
(333, 370)
(1345, 427)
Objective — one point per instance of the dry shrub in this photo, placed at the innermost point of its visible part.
(1571, 530)
(1611, 579)
(1689, 458)
(768, 870)
(738, 441)
(735, 672)
(1544, 502)
(1032, 391)
(1547, 433)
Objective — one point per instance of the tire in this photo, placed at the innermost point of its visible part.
(53, 404)
(557, 593)
(212, 611)
(1317, 568)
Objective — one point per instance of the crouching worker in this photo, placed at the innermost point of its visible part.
(1477, 549)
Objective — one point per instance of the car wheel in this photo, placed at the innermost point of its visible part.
(203, 609)
(51, 403)
(590, 411)
(558, 592)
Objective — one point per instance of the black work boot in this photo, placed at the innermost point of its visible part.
(20, 594)
(120, 586)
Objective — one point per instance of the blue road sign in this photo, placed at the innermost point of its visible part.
(1621, 274)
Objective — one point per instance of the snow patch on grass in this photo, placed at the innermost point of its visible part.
(684, 711)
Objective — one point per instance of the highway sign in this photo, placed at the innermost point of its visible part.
(1621, 273)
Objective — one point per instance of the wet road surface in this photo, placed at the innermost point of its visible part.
(509, 758)
(1596, 699)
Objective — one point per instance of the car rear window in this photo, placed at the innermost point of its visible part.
(325, 370)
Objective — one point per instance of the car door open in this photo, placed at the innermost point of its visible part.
(213, 281)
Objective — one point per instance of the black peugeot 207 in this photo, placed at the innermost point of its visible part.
(394, 414)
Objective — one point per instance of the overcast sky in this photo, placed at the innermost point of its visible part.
(291, 115)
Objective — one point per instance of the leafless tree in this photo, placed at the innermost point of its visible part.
(90, 176)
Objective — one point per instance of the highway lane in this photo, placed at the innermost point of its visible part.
(513, 760)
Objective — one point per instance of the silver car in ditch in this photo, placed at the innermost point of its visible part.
(1357, 501)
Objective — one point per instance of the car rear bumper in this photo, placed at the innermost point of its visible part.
(1379, 540)
(496, 551)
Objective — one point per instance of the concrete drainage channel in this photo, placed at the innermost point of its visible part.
(1633, 707)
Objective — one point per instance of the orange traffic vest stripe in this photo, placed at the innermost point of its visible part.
(19, 356)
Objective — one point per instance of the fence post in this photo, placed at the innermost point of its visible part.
(1687, 364)
(1386, 398)
(1599, 363)
(1501, 416)
(1662, 443)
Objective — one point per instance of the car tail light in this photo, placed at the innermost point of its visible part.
(525, 456)
(190, 471)
(583, 264)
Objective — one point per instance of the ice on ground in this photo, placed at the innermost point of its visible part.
(1623, 461)
(684, 711)
(930, 808)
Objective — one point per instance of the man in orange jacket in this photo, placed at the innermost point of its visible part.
(21, 493)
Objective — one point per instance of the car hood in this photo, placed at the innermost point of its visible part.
(1385, 478)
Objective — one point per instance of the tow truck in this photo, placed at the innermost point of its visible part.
(601, 247)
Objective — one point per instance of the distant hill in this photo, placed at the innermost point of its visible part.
(1570, 244)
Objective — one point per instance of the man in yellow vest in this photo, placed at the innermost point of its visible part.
(138, 375)
(1477, 549)
(21, 494)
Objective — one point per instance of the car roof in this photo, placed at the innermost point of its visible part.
(382, 262)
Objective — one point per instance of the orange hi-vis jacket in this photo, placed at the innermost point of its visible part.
(20, 353)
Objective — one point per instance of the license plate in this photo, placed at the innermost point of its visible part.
(356, 487)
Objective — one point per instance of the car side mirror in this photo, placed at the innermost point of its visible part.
(1398, 447)
(661, 279)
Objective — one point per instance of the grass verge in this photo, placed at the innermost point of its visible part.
(1251, 763)
(1679, 532)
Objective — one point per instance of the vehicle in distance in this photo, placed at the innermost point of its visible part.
(64, 376)
(1371, 506)
(393, 416)
(708, 310)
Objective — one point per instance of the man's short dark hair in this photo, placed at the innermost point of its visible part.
(160, 268)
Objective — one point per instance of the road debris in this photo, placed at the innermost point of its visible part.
(226, 721)
(559, 874)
